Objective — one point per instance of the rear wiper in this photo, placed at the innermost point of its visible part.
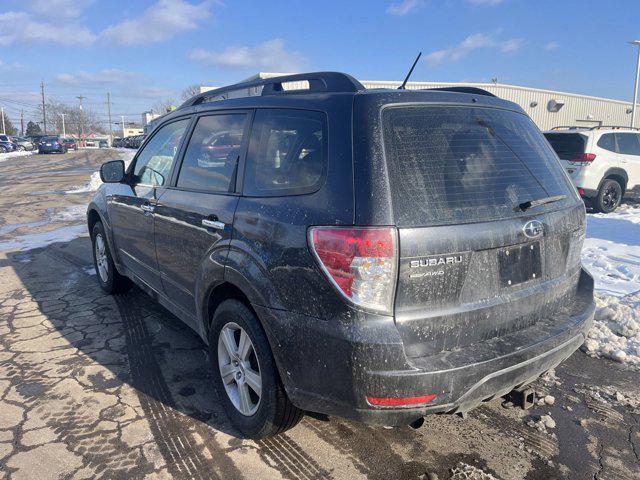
(541, 201)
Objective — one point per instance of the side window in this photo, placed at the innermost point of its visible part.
(211, 159)
(607, 142)
(154, 162)
(287, 153)
(628, 143)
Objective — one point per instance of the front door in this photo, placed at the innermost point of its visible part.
(194, 219)
(131, 208)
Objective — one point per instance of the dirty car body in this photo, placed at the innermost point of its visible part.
(396, 273)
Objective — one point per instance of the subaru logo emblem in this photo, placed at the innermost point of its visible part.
(533, 228)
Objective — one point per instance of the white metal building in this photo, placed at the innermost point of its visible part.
(547, 108)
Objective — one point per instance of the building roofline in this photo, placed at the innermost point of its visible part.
(395, 83)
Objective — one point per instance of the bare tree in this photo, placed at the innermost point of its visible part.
(73, 118)
(164, 106)
(190, 91)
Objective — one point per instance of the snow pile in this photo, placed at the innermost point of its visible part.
(7, 156)
(616, 330)
(38, 240)
(92, 186)
(95, 182)
(612, 255)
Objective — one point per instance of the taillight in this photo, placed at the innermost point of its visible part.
(360, 262)
(584, 158)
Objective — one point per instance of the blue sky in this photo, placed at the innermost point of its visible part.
(146, 50)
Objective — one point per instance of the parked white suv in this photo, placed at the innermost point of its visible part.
(603, 162)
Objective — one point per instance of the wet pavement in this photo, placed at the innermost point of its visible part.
(96, 386)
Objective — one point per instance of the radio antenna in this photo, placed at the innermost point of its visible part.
(406, 79)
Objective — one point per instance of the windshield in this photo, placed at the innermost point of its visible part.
(567, 145)
(450, 164)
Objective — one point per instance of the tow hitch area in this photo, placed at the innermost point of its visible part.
(523, 397)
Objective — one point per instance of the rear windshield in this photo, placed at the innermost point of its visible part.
(567, 145)
(466, 164)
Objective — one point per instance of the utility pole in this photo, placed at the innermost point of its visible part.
(4, 132)
(81, 97)
(64, 130)
(110, 124)
(22, 122)
(44, 109)
(122, 119)
(635, 85)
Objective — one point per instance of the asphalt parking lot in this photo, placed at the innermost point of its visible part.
(94, 386)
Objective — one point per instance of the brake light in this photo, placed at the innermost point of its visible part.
(581, 191)
(400, 401)
(360, 262)
(584, 158)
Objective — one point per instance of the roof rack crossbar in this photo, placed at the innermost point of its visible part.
(318, 82)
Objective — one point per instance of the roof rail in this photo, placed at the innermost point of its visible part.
(318, 82)
(596, 127)
(473, 90)
(572, 127)
(614, 127)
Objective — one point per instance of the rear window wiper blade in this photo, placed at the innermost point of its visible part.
(541, 201)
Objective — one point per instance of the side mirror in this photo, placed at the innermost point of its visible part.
(112, 172)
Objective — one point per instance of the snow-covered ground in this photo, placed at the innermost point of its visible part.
(95, 182)
(612, 255)
(7, 156)
(70, 214)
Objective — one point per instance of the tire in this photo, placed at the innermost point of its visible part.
(108, 277)
(3, 149)
(20, 148)
(270, 413)
(609, 196)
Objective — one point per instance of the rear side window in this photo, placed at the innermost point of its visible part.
(628, 143)
(607, 142)
(567, 145)
(211, 159)
(287, 153)
(461, 164)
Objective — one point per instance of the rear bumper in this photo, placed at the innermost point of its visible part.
(331, 367)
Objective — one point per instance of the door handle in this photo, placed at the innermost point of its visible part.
(215, 224)
(146, 208)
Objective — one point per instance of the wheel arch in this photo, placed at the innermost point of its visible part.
(618, 174)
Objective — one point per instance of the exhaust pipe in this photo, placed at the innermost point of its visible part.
(416, 424)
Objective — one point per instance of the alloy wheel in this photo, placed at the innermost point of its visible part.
(239, 368)
(611, 197)
(101, 258)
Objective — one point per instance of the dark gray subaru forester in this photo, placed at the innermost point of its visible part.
(373, 254)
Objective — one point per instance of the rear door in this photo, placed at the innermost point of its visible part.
(472, 262)
(629, 148)
(194, 218)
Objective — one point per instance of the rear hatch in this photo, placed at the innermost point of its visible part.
(568, 146)
(476, 263)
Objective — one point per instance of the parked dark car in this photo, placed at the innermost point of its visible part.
(372, 254)
(7, 146)
(117, 142)
(70, 143)
(52, 144)
(35, 139)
